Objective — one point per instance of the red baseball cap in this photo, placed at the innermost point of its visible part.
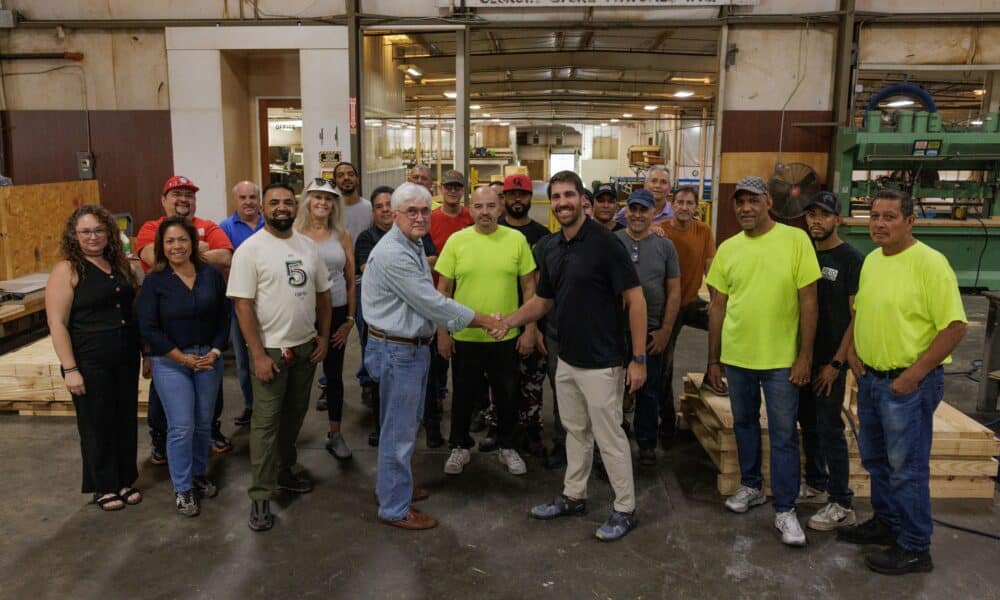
(517, 182)
(179, 182)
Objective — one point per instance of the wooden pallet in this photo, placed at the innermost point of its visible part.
(962, 451)
(31, 383)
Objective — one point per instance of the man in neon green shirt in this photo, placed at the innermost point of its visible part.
(762, 324)
(481, 266)
(908, 320)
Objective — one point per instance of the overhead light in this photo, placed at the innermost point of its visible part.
(505, 123)
(473, 107)
(704, 80)
(397, 38)
(495, 120)
(450, 95)
(395, 125)
(373, 123)
(614, 120)
(627, 115)
(900, 103)
(977, 121)
(650, 107)
(683, 94)
(438, 80)
(415, 72)
(979, 92)
(604, 124)
(486, 114)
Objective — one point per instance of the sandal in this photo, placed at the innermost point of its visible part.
(130, 495)
(107, 502)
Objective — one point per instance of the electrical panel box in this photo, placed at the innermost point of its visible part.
(85, 165)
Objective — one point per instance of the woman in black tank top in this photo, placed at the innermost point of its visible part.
(88, 301)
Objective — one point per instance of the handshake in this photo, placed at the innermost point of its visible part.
(496, 325)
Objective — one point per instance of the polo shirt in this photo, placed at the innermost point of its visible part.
(586, 276)
(237, 230)
(208, 232)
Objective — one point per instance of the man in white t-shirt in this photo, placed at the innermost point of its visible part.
(281, 290)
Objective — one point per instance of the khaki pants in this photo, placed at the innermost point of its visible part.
(590, 406)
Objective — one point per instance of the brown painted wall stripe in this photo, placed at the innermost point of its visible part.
(757, 131)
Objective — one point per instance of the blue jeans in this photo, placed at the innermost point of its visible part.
(242, 356)
(782, 413)
(359, 321)
(647, 404)
(895, 443)
(189, 408)
(401, 373)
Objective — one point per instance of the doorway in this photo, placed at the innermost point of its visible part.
(280, 131)
(562, 162)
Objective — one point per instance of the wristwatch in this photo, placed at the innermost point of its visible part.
(836, 364)
(639, 358)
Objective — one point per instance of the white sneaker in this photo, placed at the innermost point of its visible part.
(810, 495)
(515, 464)
(791, 532)
(457, 461)
(830, 517)
(744, 499)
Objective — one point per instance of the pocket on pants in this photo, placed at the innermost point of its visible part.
(374, 358)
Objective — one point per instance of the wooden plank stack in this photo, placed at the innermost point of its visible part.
(962, 454)
(31, 384)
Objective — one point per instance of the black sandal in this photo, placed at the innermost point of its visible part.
(127, 493)
(105, 500)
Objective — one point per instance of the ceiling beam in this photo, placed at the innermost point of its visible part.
(567, 83)
(636, 61)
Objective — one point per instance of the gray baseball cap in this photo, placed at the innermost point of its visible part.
(754, 185)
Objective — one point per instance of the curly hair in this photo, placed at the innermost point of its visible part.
(114, 252)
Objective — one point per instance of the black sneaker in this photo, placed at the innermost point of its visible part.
(290, 482)
(647, 457)
(556, 458)
(244, 419)
(617, 526)
(434, 437)
(560, 507)
(220, 443)
(187, 503)
(478, 422)
(321, 401)
(158, 448)
(203, 487)
(897, 560)
(261, 518)
(873, 531)
(373, 438)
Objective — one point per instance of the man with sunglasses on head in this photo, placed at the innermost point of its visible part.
(179, 198)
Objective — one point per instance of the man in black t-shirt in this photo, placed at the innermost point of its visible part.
(588, 274)
(827, 467)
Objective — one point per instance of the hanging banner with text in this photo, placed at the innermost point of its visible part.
(598, 3)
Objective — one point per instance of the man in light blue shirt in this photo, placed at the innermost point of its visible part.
(402, 309)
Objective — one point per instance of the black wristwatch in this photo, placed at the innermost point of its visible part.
(836, 364)
(639, 358)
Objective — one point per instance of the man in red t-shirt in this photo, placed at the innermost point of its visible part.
(452, 215)
(179, 199)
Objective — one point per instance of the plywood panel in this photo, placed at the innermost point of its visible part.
(32, 218)
(736, 165)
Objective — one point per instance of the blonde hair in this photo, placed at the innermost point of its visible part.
(334, 221)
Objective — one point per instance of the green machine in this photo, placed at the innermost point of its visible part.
(952, 174)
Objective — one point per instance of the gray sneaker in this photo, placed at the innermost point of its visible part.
(203, 487)
(187, 503)
(810, 495)
(617, 525)
(515, 464)
(337, 446)
(791, 531)
(744, 499)
(560, 507)
(830, 517)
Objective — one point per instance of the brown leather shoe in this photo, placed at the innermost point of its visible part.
(414, 521)
(418, 495)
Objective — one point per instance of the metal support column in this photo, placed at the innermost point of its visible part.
(355, 58)
(462, 102)
(842, 82)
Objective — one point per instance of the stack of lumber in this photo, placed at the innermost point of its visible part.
(962, 454)
(31, 383)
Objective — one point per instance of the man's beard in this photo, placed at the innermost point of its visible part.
(518, 210)
(822, 238)
(281, 224)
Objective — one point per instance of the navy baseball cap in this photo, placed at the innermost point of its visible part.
(643, 197)
(605, 188)
(827, 201)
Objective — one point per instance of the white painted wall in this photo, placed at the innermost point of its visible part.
(325, 108)
(949, 44)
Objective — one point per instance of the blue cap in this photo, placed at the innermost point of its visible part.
(643, 197)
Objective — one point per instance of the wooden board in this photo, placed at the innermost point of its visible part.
(32, 219)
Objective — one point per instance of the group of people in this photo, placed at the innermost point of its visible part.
(482, 289)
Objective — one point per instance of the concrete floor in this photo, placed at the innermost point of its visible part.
(327, 543)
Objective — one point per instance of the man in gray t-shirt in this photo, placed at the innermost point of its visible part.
(357, 210)
(655, 261)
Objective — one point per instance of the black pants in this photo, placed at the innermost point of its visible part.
(156, 417)
(106, 414)
(694, 314)
(827, 464)
(333, 368)
(499, 361)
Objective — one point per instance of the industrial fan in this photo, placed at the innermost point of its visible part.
(790, 188)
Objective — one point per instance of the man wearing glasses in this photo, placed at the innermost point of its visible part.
(281, 288)
(402, 308)
(655, 260)
(179, 198)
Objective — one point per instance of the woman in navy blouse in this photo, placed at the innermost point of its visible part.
(184, 319)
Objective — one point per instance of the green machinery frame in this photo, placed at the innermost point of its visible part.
(919, 144)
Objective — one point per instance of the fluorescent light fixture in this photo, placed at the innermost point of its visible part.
(495, 120)
(395, 125)
(614, 120)
(650, 107)
(900, 103)
(505, 123)
(415, 72)
(604, 124)
(977, 121)
(450, 95)
(439, 80)
(486, 115)
(704, 80)
(627, 115)
(979, 92)
(474, 107)
(373, 123)
(683, 94)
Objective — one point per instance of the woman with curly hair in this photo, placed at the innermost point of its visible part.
(88, 300)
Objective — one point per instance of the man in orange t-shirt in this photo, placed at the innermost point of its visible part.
(695, 250)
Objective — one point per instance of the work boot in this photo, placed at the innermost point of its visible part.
(873, 531)
(897, 560)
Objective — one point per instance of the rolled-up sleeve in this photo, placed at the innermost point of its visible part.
(412, 285)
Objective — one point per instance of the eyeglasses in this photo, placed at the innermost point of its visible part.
(98, 232)
(412, 213)
(635, 253)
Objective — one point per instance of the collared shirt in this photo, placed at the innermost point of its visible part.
(171, 315)
(369, 237)
(237, 230)
(666, 213)
(398, 295)
(586, 276)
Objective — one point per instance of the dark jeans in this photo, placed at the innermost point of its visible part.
(694, 314)
(827, 465)
(499, 361)
(156, 418)
(552, 361)
(333, 368)
(359, 321)
(647, 404)
(782, 410)
(895, 443)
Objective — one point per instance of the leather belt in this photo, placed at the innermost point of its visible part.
(378, 334)
(891, 374)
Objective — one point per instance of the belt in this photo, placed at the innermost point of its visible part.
(890, 374)
(378, 334)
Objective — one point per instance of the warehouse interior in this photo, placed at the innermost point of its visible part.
(101, 102)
